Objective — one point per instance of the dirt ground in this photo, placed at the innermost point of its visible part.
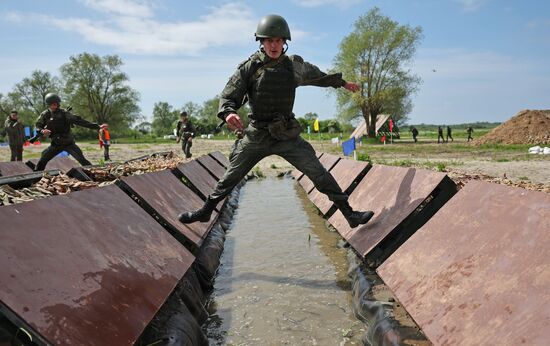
(512, 166)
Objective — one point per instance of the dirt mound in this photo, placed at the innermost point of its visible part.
(526, 127)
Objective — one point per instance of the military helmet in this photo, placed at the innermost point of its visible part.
(52, 98)
(272, 26)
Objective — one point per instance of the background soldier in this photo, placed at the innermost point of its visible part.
(56, 123)
(414, 133)
(470, 130)
(440, 135)
(186, 132)
(105, 140)
(268, 79)
(449, 134)
(16, 135)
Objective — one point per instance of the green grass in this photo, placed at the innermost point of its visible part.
(258, 172)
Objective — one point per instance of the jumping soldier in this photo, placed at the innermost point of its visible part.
(268, 80)
(56, 122)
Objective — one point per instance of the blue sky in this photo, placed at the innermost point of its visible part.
(491, 58)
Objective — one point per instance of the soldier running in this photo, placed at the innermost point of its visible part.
(56, 122)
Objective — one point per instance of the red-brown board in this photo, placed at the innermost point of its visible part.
(87, 268)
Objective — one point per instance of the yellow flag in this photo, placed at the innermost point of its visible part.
(316, 125)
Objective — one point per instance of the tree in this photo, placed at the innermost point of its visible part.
(310, 117)
(376, 55)
(31, 91)
(97, 89)
(208, 115)
(164, 118)
(192, 109)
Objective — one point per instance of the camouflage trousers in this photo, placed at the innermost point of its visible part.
(258, 144)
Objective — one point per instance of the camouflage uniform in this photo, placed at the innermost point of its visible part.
(16, 138)
(59, 123)
(185, 131)
(270, 88)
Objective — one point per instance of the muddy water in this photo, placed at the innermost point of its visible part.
(282, 279)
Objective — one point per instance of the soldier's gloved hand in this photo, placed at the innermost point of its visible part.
(234, 122)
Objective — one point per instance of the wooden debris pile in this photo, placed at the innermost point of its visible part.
(61, 184)
(47, 186)
(461, 178)
(150, 164)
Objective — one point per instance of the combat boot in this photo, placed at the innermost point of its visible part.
(354, 218)
(203, 214)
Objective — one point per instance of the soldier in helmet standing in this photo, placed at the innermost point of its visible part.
(268, 80)
(16, 135)
(56, 122)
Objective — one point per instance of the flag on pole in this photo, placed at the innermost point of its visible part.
(391, 125)
(316, 125)
(348, 147)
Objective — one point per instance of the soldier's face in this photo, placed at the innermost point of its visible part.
(273, 46)
(13, 116)
(54, 106)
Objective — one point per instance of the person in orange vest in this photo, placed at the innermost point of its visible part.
(105, 141)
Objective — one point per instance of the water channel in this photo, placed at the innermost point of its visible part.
(282, 278)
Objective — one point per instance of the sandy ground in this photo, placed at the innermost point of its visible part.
(511, 166)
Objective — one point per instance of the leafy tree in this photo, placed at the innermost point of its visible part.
(376, 55)
(144, 127)
(333, 126)
(208, 115)
(97, 89)
(310, 117)
(164, 118)
(31, 91)
(192, 109)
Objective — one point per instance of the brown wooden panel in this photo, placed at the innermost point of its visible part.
(477, 273)
(345, 172)
(64, 164)
(13, 168)
(218, 156)
(328, 161)
(198, 176)
(87, 268)
(213, 166)
(393, 193)
(167, 196)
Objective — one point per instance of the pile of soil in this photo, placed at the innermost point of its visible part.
(526, 127)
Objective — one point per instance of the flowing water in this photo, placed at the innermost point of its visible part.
(282, 279)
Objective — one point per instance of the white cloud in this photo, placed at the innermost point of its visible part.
(471, 5)
(143, 35)
(13, 17)
(123, 7)
(318, 3)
